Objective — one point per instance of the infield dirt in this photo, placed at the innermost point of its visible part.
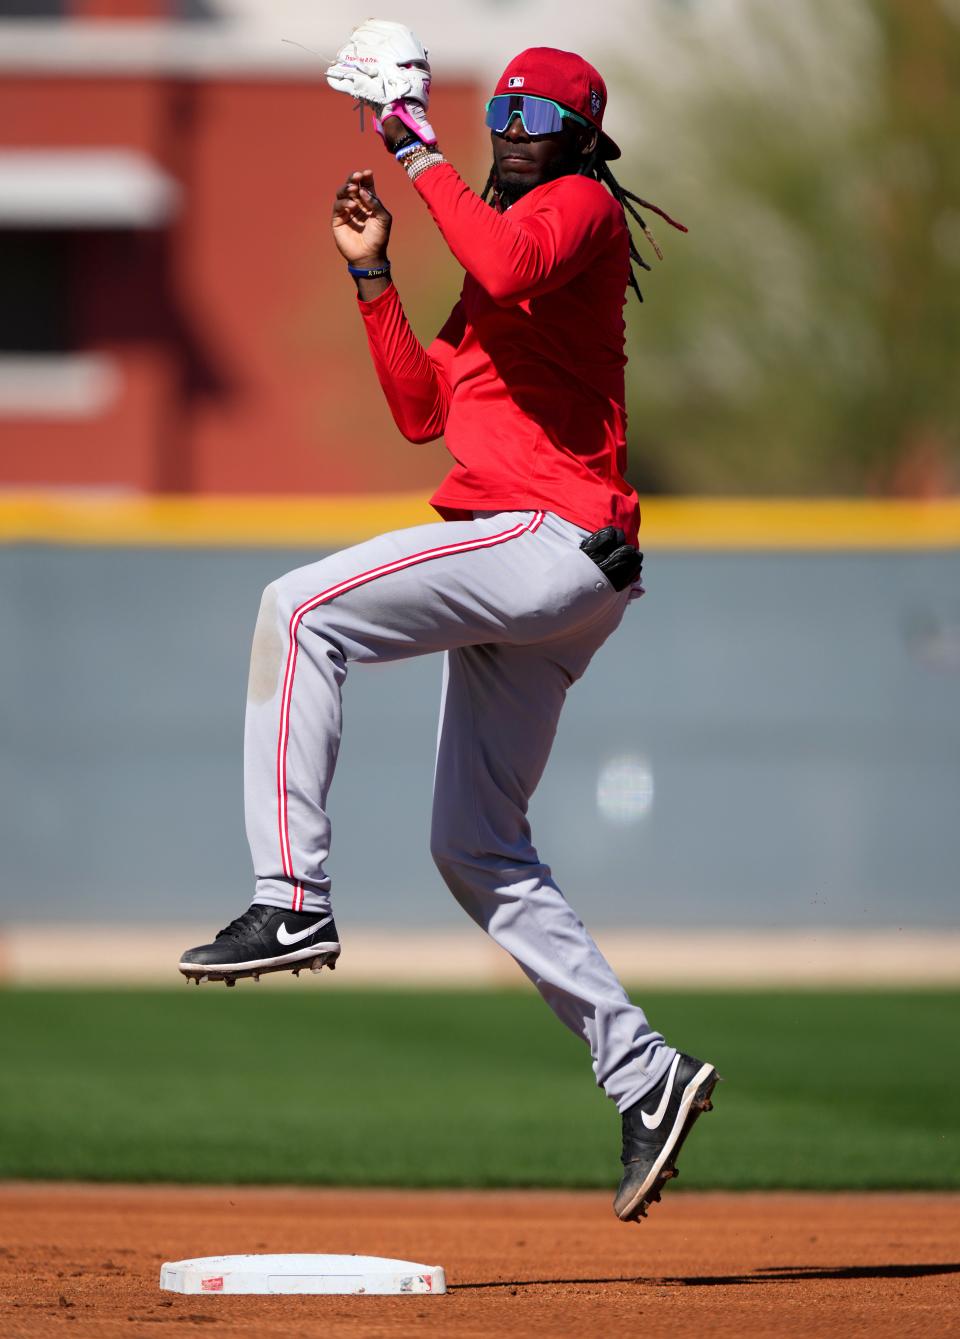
(84, 1261)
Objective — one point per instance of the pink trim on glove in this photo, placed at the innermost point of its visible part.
(413, 117)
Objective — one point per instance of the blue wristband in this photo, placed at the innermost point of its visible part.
(381, 272)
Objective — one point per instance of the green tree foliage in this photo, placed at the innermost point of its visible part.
(805, 337)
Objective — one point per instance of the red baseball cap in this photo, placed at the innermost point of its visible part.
(563, 76)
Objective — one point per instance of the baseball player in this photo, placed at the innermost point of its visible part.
(527, 574)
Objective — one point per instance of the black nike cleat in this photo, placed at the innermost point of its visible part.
(264, 939)
(654, 1130)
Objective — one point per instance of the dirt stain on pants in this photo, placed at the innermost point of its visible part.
(266, 653)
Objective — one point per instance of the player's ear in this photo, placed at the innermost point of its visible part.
(588, 141)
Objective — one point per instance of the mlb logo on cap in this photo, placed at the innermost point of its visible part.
(515, 82)
(596, 102)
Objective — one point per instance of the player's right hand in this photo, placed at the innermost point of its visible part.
(361, 224)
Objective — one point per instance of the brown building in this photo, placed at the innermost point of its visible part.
(174, 315)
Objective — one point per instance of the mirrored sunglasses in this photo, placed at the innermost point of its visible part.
(538, 116)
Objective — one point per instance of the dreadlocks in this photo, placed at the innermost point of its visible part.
(599, 169)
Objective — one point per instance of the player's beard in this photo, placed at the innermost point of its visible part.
(508, 193)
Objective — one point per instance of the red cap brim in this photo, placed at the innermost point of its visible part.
(607, 148)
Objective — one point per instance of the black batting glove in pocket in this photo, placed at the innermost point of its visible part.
(619, 561)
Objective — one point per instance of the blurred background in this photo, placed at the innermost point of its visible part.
(760, 776)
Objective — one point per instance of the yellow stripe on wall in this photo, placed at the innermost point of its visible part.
(808, 523)
(323, 522)
(186, 521)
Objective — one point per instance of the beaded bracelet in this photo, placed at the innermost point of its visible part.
(406, 149)
(416, 164)
(380, 272)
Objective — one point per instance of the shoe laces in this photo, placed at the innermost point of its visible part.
(247, 920)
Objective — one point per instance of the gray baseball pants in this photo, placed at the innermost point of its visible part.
(519, 610)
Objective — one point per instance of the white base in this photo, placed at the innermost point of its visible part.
(332, 1274)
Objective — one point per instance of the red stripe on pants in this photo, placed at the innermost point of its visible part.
(296, 618)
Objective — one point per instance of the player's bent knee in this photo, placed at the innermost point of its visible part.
(281, 594)
(460, 861)
(460, 880)
(440, 854)
(448, 855)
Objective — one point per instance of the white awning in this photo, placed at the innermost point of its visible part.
(83, 188)
(60, 386)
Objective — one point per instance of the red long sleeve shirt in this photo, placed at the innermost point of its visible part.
(526, 379)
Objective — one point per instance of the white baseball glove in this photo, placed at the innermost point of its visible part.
(384, 65)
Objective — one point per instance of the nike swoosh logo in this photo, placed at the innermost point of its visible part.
(285, 937)
(651, 1122)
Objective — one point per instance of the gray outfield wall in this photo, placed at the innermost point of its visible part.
(769, 739)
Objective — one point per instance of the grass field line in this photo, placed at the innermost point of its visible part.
(320, 1085)
(148, 955)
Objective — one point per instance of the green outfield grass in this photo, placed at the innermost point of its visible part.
(389, 1088)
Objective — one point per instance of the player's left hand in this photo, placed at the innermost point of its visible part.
(384, 65)
(361, 222)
